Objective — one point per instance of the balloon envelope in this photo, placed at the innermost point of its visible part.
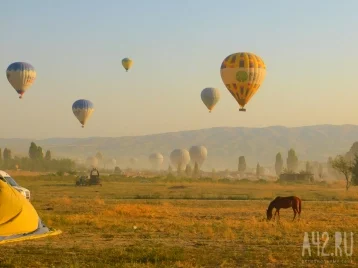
(180, 157)
(210, 96)
(83, 110)
(156, 159)
(127, 63)
(198, 154)
(243, 74)
(21, 76)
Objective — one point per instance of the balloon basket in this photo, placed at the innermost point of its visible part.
(83, 126)
(242, 110)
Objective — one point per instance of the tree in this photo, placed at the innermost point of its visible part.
(292, 161)
(320, 171)
(242, 164)
(48, 155)
(33, 152)
(309, 167)
(196, 169)
(278, 164)
(170, 169)
(117, 170)
(188, 170)
(40, 154)
(350, 156)
(7, 154)
(344, 166)
(258, 169)
(355, 170)
(330, 169)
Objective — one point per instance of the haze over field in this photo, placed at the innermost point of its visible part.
(224, 145)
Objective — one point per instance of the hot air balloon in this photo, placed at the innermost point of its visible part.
(242, 74)
(21, 76)
(156, 159)
(92, 162)
(198, 154)
(180, 158)
(83, 110)
(127, 63)
(210, 96)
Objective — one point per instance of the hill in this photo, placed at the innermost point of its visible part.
(224, 144)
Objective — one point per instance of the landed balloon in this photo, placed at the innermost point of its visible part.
(180, 158)
(210, 97)
(83, 110)
(243, 74)
(156, 159)
(198, 154)
(127, 63)
(21, 76)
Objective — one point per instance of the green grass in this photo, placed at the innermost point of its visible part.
(209, 226)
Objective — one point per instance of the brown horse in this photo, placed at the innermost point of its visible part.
(284, 202)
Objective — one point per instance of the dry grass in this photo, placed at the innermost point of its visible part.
(101, 230)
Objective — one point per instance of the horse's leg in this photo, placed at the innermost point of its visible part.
(295, 212)
(274, 216)
(278, 214)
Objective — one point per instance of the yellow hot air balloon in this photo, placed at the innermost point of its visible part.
(127, 63)
(243, 74)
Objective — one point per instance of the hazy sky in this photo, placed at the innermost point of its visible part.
(309, 47)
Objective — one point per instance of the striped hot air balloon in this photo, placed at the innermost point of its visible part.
(83, 110)
(21, 76)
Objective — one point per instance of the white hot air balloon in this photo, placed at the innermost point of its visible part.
(156, 160)
(198, 154)
(210, 97)
(180, 158)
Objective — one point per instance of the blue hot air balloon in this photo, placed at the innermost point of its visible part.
(82, 109)
(21, 76)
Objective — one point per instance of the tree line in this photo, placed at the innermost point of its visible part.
(37, 160)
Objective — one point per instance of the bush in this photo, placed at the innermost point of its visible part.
(60, 173)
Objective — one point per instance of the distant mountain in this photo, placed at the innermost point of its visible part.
(224, 144)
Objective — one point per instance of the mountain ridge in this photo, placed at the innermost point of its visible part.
(224, 144)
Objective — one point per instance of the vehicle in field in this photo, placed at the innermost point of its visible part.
(9, 180)
(93, 179)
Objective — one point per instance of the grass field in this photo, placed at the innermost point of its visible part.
(161, 223)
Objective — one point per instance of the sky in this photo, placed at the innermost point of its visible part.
(76, 47)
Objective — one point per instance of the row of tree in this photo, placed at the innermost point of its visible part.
(292, 165)
(36, 161)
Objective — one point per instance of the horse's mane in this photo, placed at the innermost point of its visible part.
(273, 202)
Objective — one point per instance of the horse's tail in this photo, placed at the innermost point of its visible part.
(299, 206)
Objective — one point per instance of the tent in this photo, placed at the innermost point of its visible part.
(18, 218)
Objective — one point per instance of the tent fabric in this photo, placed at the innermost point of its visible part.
(18, 218)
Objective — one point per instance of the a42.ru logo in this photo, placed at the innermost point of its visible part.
(341, 244)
